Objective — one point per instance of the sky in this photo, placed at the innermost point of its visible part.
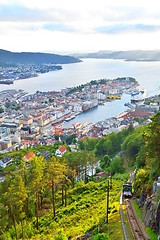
(74, 26)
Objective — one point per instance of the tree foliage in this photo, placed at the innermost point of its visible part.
(43, 186)
(133, 143)
(152, 142)
(116, 165)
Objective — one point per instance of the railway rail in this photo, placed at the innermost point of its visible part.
(136, 226)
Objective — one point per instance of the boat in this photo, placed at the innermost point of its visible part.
(136, 99)
(73, 116)
(70, 118)
(134, 93)
(142, 90)
(139, 97)
(129, 105)
(114, 97)
(6, 81)
(57, 121)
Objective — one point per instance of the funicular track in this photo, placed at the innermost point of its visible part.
(135, 224)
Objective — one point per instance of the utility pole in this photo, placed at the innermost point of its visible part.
(111, 181)
(107, 202)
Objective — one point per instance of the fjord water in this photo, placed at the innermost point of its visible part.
(146, 73)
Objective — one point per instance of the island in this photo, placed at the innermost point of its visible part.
(15, 66)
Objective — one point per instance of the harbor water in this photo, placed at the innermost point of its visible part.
(146, 73)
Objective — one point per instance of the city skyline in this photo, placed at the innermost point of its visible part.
(79, 26)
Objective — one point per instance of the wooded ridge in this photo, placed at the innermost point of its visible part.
(35, 58)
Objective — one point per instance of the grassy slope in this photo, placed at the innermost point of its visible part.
(86, 212)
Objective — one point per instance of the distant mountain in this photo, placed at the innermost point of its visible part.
(35, 58)
(132, 55)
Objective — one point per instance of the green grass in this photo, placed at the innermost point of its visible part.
(9, 168)
(139, 212)
(86, 213)
(151, 234)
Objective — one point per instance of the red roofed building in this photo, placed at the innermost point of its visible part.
(60, 151)
(28, 156)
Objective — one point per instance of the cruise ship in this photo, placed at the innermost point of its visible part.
(139, 97)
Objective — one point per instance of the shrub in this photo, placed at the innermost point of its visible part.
(61, 236)
(100, 236)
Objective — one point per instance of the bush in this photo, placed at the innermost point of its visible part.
(61, 236)
(116, 165)
(6, 236)
(100, 236)
(123, 177)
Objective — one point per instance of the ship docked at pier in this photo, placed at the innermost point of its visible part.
(138, 96)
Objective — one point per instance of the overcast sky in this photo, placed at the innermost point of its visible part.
(79, 25)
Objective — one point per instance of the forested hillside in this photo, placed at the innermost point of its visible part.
(63, 197)
(130, 55)
(35, 58)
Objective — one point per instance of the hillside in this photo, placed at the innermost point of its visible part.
(134, 55)
(35, 58)
(56, 198)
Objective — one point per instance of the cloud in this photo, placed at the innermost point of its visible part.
(82, 24)
(20, 13)
(84, 16)
(120, 28)
(57, 27)
(120, 14)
